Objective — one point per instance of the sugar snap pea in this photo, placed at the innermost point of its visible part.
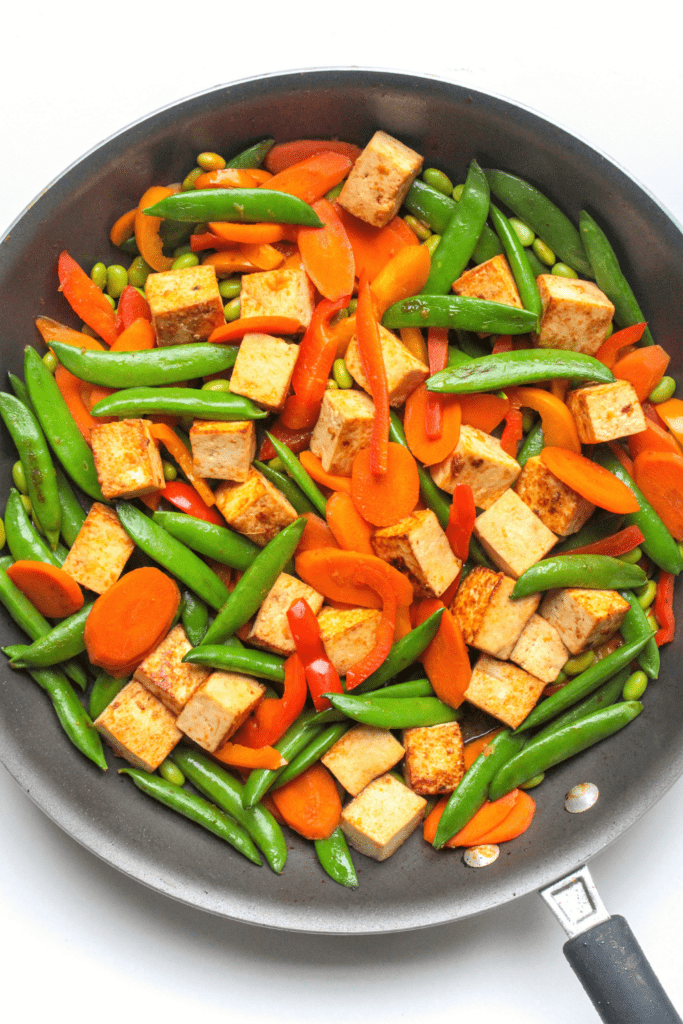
(636, 625)
(228, 658)
(299, 734)
(403, 653)
(436, 209)
(292, 492)
(595, 572)
(23, 540)
(312, 752)
(65, 640)
(73, 515)
(519, 263)
(195, 617)
(460, 237)
(532, 445)
(459, 311)
(606, 695)
(240, 205)
(335, 859)
(433, 497)
(411, 688)
(19, 388)
(299, 475)
(395, 712)
(253, 156)
(217, 542)
(104, 689)
(155, 366)
(527, 366)
(194, 402)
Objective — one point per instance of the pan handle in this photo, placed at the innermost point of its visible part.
(606, 957)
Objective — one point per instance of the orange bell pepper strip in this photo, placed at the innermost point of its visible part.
(445, 660)
(608, 353)
(256, 233)
(230, 261)
(559, 429)
(262, 255)
(231, 177)
(373, 365)
(313, 467)
(284, 154)
(671, 413)
(236, 330)
(147, 236)
(73, 391)
(404, 275)
(590, 480)
(461, 518)
(51, 330)
(85, 298)
(327, 254)
(663, 608)
(137, 337)
(274, 715)
(369, 576)
(312, 178)
(239, 756)
(317, 353)
(644, 368)
(374, 247)
(321, 675)
(208, 240)
(415, 343)
(123, 228)
(170, 440)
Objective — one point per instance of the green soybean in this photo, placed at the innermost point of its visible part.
(98, 275)
(663, 391)
(438, 180)
(185, 260)
(562, 270)
(230, 288)
(635, 686)
(117, 279)
(523, 231)
(579, 663)
(543, 252)
(232, 310)
(171, 773)
(341, 374)
(138, 272)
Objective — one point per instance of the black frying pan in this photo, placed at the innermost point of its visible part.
(449, 125)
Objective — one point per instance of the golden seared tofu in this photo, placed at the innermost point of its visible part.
(492, 281)
(167, 676)
(539, 650)
(271, 629)
(512, 535)
(584, 618)
(348, 634)
(223, 450)
(219, 707)
(126, 458)
(435, 759)
(503, 690)
(488, 617)
(604, 412)
(479, 461)
(418, 547)
(278, 293)
(101, 549)
(344, 427)
(138, 727)
(263, 370)
(379, 180)
(255, 508)
(404, 371)
(361, 755)
(186, 304)
(381, 818)
(576, 314)
(558, 506)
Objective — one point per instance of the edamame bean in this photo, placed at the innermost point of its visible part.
(189, 180)
(438, 180)
(210, 162)
(170, 472)
(562, 270)
(663, 391)
(19, 477)
(543, 252)
(171, 772)
(635, 686)
(432, 243)
(418, 227)
(232, 310)
(631, 557)
(528, 420)
(117, 279)
(458, 191)
(579, 664)
(112, 302)
(138, 272)
(341, 374)
(646, 594)
(186, 259)
(219, 384)
(2, 534)
(50, 360)
(523, 231)
(26, 502)
(535, 781)
(98, 275)
(652, 619)
(230, 288)
(277, 464)
(331, 385)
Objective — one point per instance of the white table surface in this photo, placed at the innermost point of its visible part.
(78, 937)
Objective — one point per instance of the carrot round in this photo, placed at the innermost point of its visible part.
(445, 660)
(313, 467)
(51, 590)
(659, 475)
(590, 480)
(327, 254)
(644, 368)
(489, 816)
(513, 824)
(284, 154)
(330, 571)
(310, 803)
(385, 500)
(351, 531)
(430, 451)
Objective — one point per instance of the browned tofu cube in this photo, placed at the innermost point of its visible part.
(223, 450)
(584, 618)
(348, 634)
(379, 180)
(540, 650)
(100, 551)
(435, 759)
(382, 817)
(271, 628)
(126, 458)
(219, 707)
(479, 461)
(138, 727)
(255, 508)
(558, 506)
(488, 617)
(263, 370)
(604, 412)
(503, 690)
(512, 536)
(186, 304)
(167, 676)
(343, 428)
(418, 547)
(278, 293)
(362, 754)
(404, 371)
(576, 314)
(492, 281)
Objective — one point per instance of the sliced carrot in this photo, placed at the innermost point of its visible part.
(644, 368)
(236, 330)
(330, 571)
(170, 440)
(489, 816)
(327, 254)
(147, 235)
(123, 228)
(317, 534)
(653, 439)
(351, 531)
(445, 660)
(257, 233)
(230, 177)
(310, 803)
(374, 247)
(559, 429)
(659, 475)
(136, 338)
(385, 500)
(403, 624)
(437, 350)
(425, 449)
(431, 822)
(85, 298)
(247, 757)
(284, 154)
(311, 178)
(485, 411)
(474, 748)
(516, 822)
(51, 590)
(313, 467)
(404, 275)
(671, 415)
(590, 480)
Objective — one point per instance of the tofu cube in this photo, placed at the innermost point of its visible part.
(576, 314)
(126, 458)
(488, 617)
(138, 727)
(223, 450)
(435, 759)
(278, 293)
(167, 676)
(271, 629)
(478, 460)
(584, 618)
(263, 370)
(492, 281)
(382, 817)
(361, 755)
(255, 508)
(404, 371)
(604, 412)
(348, 634)
(540, 650)
(418, 547)
(219, 707)
(100, 551)
(512, 536)
(558, 506)
(186, 304)
(379, 180)
(503, 690)
(343, 428)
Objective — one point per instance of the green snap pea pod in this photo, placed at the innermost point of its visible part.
(225, 791)
(19, 389)
(300, 476)
(606, 695)
(104, 689)
(453, 252)
(472, 790)
(217, 542)
(471, 346)
(595, 572)
(197, 809)
(298, 736)
(507, 369)
(403, 653)
(60, 428)
(253, 156)
(540, 754)
(201, 405)
(543, 217)
(488, 245)
(23, 540)
(292, 492)
(436, 209)
(456, 357)
(195, 617)
(311, 753)
(71, 667)
(519, 264)
(636, 625)
(236, 205)
(73, 515)
(30, 442)
(599, 526)
(173, 555)
(155, 366)
(335, 859)
(532, 446)
(411, 688)
(583, 684)
(395, 712)
(433, 497)
(238, 659)
(609, 278)
(658, 545)
(65, 640)
(459, 311)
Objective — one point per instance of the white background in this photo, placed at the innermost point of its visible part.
(78, 938)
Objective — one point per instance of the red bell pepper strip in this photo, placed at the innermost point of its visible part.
(274, 715)
(321, 675)
(317, 352)
(369, 576)
(437, 348)
(207, 240)
(86, 299)
(513, 432)
(461, 518)
(132, 306)
(503, 343)
(609, 350)
(296, 440)
(664, 610)
(618, 544)
(185, 497)
(373, 366)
